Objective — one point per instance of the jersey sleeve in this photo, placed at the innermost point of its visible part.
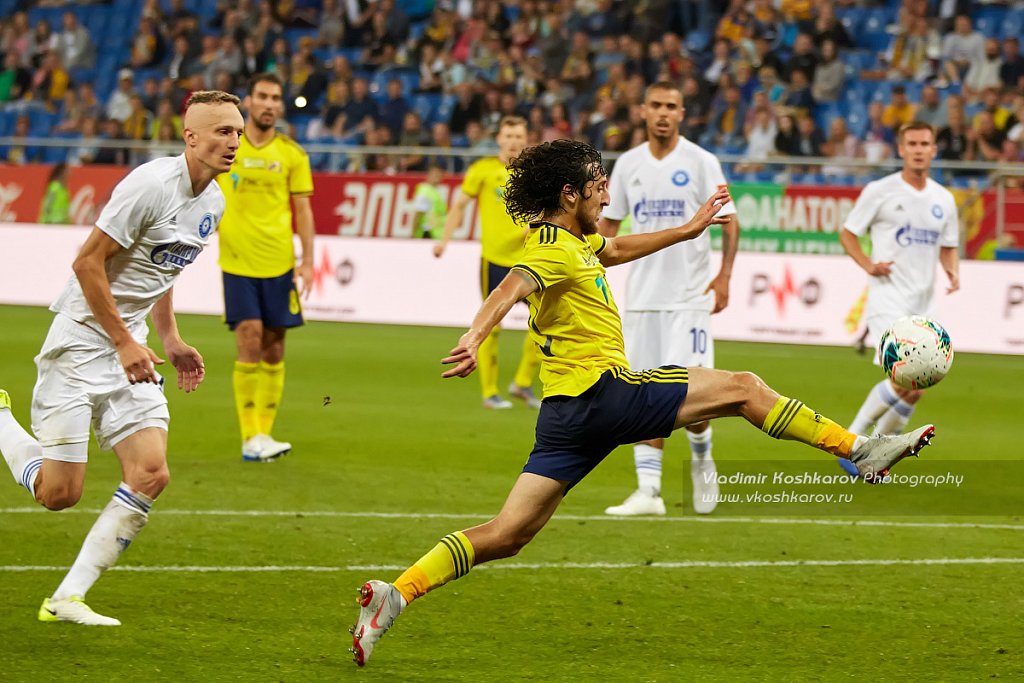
(950, 236)
(597, 243)
(864, 209)
(618, 206)
(713, 177)
(300, 179)
(134, 206)
(546, 264)
(473, 180)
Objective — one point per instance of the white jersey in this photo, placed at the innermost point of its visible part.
(665, 193)
(907, 227)
(162, 227)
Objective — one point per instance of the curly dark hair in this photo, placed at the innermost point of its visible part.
(537, 176)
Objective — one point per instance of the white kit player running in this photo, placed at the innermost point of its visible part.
(95, 368)
(913, 225)
(671, 294)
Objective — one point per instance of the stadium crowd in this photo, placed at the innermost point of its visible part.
(806, 78)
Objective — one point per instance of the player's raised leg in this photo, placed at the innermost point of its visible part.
(22, 453)
(527, 509)
(717, 393)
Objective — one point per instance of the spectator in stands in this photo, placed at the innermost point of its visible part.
(468, 107)
(441, 138)
(764, 55)
(809, 139)
(71, 114)
(334, 117)
(878, 138)
(899, 111)
(960, 48)
(769, 79)
(932, 110)
(20, 154)
(137, 125)
(745, 80)
(111, 154)
(761, 134)
(1016, 131)
(726, 122)
(909, 54)
(430, 67)
(15, 80)
(361, 111)
(74, 44)
(85, 153)
(721, 60)
(825, 26)
(987, 136)
(829, 74)
(952, 139)
(766, 21)
(841, 145)
(803, 58)
(165, 116)
(56, 206)
(491, 110)
(992, 105)
(279, 54)
(181, 63)
(478, 139)
(379, 45)
(394, 110)
(20, 38)
(412, 134)
(50, 81)
(43, 41)
(577, 71)
(253, 62)
(798, 95)
(605, 116)
(554, 47)
(226, 58)
(558, 126)
(340, 70)
(984, 73)
(119, 105)
(1011, 73)
(734, 22)
(796, 10)
(698, 106)
(331, 32)
(87, 99)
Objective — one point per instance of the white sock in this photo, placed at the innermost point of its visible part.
(113, 532)
(648, 468)
(700, 444)
(895, 419)
(23, 454)
(879, 399)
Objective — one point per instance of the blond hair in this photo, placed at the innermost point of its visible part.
(212, 97)
(915, 125)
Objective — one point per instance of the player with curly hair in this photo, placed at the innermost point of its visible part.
(592, 402)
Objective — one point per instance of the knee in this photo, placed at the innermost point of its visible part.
(150, 481)
(747, 383)
(511, 543)
(58, 498)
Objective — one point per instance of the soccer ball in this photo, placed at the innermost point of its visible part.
(916, 352)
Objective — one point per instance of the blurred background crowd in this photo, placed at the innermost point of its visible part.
(761, 78)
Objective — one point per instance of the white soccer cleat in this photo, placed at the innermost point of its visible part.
(73, 609)
(524, 394)
(263, 448)
(5, 400)
(496, 402)
(705, 485)
(380, 604)
(639, 503)
(878, 454)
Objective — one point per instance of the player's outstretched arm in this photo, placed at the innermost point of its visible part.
(185, 359)
(515, 287)
(720, 284)
(91, 270)
(631, 247)
(851, 244)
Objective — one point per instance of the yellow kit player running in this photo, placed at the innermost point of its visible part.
(269, 179)
(592, 401)
(501, 241)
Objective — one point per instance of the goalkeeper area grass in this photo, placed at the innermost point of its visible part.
(249, 571)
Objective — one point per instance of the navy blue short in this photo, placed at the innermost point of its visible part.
(575, 433)
(274, 300)
(491, 276)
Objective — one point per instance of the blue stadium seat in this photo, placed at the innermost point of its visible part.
(697, 41)
(857, 121)
(426, 104)
(851, 18)
(1013, 24)
(824, 113)
(444, 110)
(990, 27)
(54, 155)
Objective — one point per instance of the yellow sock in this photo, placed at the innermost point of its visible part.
(268, 395)
(487, 364)
(791, 419)
(450, 559)
(528, 363)
(245, 379)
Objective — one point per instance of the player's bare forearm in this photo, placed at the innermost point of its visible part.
(608, 227)
(164, 321)
(91, 271)
(515, 287)
(730, 244)
(851, 245)
(304, 226)
(452, 222)
(949, 257)
(631, 247)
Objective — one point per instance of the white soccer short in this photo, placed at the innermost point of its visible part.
(678, 337)
(81, 381)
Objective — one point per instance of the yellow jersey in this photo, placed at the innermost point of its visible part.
(256, 231)
(501, 238)
(573, 317)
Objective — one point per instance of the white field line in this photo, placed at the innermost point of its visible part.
(569, 518)
(501, 566)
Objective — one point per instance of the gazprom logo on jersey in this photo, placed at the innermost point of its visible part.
(206, 225)
(645, 209)
(937, 211)
(680, 178)
(175, 254)
(908, 235)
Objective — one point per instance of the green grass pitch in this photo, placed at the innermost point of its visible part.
(388, 458)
